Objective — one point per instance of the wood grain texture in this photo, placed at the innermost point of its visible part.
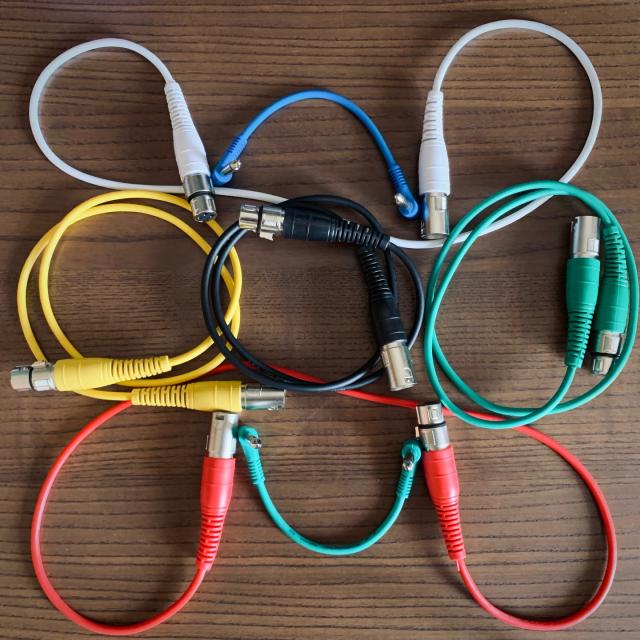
(123, 523)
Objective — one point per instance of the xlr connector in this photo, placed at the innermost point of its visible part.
(388, 327)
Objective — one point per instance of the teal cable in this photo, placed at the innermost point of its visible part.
(249, 441)
(441, 277)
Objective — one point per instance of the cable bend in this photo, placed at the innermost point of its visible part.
(250, 444)
(38, 562)
(435, 173)
(229, 161)
(612, 552)
(60, 61)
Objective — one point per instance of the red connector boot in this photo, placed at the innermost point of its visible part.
(216, 485)
(441, 475)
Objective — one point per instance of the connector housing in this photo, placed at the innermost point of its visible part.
(221, 441)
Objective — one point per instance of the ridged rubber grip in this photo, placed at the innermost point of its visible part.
(254, 466)
(75, 374)
(139, 369)
(173, 396)
(405, 482)
(401, 186)
(441, 476)
(451, 527)
(178, 109)
(433, 162)
(191, 157)
(583, 275)
(301, 223)
(383, 305)
(348, 232)
(612, 309)
(223, 395)
(216, 488)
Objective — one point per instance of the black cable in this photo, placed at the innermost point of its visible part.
(253, 366)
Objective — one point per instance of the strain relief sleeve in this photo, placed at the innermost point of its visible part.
(73, 374)
(583, 275)
(433, 161)
(404, 199)
(441, 476)
(410, 458)
(187, 144)
(222, 173)
(451, 527)
(210, 535)
(216, 488)
(612, 309)
(349, 232)
(250, 443)
(165, 396)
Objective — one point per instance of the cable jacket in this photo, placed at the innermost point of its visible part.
(36, 543)
(118, 203)
(434, 120)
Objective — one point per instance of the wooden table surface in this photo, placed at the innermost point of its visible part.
(122, 526)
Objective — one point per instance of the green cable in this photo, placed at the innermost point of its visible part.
(441, 278)
(249, 441)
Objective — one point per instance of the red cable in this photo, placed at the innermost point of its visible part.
(36, 554)
(522, 623)
(612, 552)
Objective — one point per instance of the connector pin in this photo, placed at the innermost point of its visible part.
(232, 167)
(400, 200)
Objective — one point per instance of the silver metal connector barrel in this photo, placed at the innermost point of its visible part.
(398, 364)
(435, 216)
(606, 348)
(585, 237)
(221, 441)
(265, 220)
(255, 397)
(34, 377)
(432, 428)
(198, 190)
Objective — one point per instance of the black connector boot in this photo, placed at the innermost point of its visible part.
(307, 223)
(391, 337)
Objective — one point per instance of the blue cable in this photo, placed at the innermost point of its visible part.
(405, 201)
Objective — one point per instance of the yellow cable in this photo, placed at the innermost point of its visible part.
(103, 204)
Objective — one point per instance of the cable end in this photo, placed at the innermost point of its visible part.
(434, 224)
(34, 377)
(255, 397)
(199, 194)
(606, 348)
(585, 237)
(398, 364)
(432, 429)
(265, 220)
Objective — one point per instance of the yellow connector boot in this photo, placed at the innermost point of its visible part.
(231, 396)
(77, 374)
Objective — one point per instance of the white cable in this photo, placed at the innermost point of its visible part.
(185, 160)
(434, 155)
